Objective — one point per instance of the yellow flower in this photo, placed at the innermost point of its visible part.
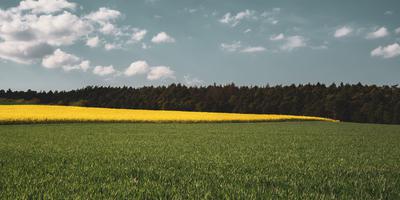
(44, 113)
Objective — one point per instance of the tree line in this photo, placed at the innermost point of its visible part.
(345, 102)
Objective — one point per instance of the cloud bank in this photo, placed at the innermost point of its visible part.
(36, 31)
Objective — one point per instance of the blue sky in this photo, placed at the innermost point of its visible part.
(67, 44)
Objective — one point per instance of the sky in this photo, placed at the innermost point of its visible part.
(69, 44)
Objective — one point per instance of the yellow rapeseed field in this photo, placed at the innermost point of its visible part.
(43, 113)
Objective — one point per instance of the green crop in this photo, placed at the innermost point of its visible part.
(287, 160)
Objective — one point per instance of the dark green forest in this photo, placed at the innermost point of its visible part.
(345, 102)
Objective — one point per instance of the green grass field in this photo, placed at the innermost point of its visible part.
(304, 160)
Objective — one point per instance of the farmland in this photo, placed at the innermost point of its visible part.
(317, 160)
(40, 113)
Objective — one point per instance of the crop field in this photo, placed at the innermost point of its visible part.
(280, 160)
(10, 114)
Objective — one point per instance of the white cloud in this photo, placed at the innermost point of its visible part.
(397, 30)
(294, 42)
(234, 20)
(389, 51)
(379, 33)
(109, 29)
(104, 15)
(24, 52)
(138, 67)
(162, 38)
(35, 31)
(104, 70)
(278, 37)
(63, 29)
(253, 49)
(112, 46)
(56, 30)
(232, 47)
(30, 32)
(245, 14)
(138, 35)
(247, 31)
(236, 46)
(152, 73)
(46, 6)
(160, 72)
(13, 28)
(192, 81)
(343, 31)
(93, 42)
(229, 19)
(85, 65)
(61, 59)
